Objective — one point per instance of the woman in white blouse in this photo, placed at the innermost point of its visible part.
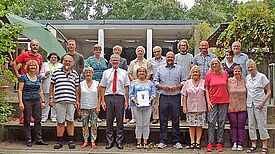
(258, 92)
(89, 106)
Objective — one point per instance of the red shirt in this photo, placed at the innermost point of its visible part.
(24, 57)
(217, 87)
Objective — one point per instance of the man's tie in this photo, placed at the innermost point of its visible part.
(114, 81)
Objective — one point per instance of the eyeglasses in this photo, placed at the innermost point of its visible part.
(156, 51)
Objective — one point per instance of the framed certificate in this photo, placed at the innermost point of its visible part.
(143, 98)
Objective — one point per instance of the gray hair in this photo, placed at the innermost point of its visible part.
(251, 62)
(117, 46)
(140, 47)
(157, 47)
(114, 56)
(88, 69)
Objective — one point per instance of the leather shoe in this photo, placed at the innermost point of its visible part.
(41, 142)
(119, 146)
(109, 146)
(29, 143)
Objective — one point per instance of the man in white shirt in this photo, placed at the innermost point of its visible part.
(114, 90)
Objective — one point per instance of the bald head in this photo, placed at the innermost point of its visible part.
(204, 47)
(34, 46)
(170, 58)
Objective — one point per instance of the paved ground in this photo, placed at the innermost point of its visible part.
(18, 147)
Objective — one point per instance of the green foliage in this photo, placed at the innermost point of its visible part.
(139, 10)
(204, 31)
(213, 11)
(5, 109)
(254, 27)
(8, 32)
(12, 6)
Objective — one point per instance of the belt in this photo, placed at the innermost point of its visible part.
(169, 95)
(114, 95)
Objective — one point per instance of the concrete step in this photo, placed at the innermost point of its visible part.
(12, 130)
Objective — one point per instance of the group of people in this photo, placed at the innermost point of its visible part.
(208, 91)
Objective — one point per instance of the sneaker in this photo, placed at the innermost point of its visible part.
(58, 145)
(132, 121)
(21, 120)
(43, 120)
(177, 146)
(209, 147)
(234, 147)
(240, 148)
(219, 147)
(115, 120)
(53, 120)
(99, 120)
(162, 145)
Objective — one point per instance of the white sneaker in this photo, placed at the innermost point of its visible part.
(115, 120)
(177, 146)
(240, 148)
(235, 147)
(54, 120)
(162, 145)
(43, 120)
(99, 120)
(132, 121)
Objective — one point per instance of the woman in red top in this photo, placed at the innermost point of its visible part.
(217, 100)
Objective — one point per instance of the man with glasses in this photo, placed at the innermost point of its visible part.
(156, 61)
(183, 58)
(239, 57)
(203, 58)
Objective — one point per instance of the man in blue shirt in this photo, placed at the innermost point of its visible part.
(169, 79)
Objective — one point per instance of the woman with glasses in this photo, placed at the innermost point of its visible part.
(217, 100)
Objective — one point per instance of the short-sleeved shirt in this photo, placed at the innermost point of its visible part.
(230, 69)
(195, 96)
(217, 87)
(108, 78)
(241, 60)
(237, 95)
(31, 89)
(185, 61)
(78, 61)
(134, 65)
(98, 66)
(203, 62)
(89, 95)
(65, 85)
(169, 76)
(24, 57)
(256, 88)
(147, 86)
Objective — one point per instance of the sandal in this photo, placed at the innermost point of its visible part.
(93, 145)
(264, 151)
(252, 149)
(84, 145)
(139, 146)
(145, 146)
(198, 146)
(193, 145)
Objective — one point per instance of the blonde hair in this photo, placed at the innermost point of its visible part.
(195, 67)
(31, 62)
(184, 41)
(220, 71)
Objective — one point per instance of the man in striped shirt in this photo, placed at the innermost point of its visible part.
(64, 92)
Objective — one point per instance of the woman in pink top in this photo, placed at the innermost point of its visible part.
(237, 114)
(194, 105)
(217, 99)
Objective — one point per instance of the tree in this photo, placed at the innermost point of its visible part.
(254, 27)
(140, 10)
(213, 11)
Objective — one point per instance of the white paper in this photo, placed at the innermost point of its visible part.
(143, 98)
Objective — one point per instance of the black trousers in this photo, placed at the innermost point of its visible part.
(32, 108)
(115, 109)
